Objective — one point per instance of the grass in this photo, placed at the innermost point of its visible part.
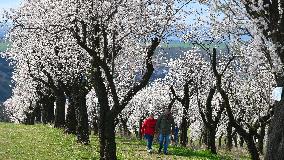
(44, 142)
(40, 142)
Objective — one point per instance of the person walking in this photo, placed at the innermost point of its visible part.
(148, 130)
(165, 126)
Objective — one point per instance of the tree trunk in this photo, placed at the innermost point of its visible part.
(274, 29)
(71, 121)
(252, 148)
(60, 109)
(47, 109)
(44, 109)
(107, 141)
(95, 126)
(95, 122)
(220, 141)
(248, 137)
(261, 139)
(30, 118)
(205, 136)
(183, 132)
(125, 129)
(229, 144)
(275, 143)
(50, 110)
(241, 141)
(81, 116)
(37, 113)
(105, 119)
(211, 140)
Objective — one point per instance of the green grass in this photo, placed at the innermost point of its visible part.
(189, 45)
(44, 142)
(40, 142)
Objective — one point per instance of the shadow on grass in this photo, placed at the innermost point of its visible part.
(136, 145)
(186, 152)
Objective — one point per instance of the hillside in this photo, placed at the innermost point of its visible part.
(5, 76)
(44, 142)
(6, 70)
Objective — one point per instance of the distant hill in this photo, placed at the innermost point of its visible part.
(3, 31)
(5, 76)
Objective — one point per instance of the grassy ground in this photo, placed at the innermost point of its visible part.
(189, 45)
(44, 142)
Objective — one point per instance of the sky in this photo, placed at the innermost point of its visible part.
(6, 4)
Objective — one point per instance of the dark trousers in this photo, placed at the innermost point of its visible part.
(149, 139)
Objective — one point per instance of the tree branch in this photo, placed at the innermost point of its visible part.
(145, 79)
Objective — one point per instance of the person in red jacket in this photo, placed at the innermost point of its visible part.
(148, 130)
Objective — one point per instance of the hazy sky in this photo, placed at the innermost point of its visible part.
(9, 3)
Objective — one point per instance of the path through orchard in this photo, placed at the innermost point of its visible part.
(46, 142)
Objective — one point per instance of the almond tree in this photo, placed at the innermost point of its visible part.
(53, 62)
(105, 30)
(261, 21)
(268, 18)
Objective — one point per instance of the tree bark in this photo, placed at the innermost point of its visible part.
(71, 121)
(211, 140)
(95, 126)
(241, 142)
(248, 137)
(220, 141)
(261, 139)
(95, 122)
(107, 141)
(183, 131)
(185, 103)
(273, 30)
(81, 116)
(59, 121)
(235, 139)
(107, 115)
(252, 147)
(37, 113)
(125, 129)
(275, 143)
(210, 123)
(229, 144)
(30, 118)
(110, 145)
(241, 131)
(106, 120)
(47, 103)
(50, 109)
